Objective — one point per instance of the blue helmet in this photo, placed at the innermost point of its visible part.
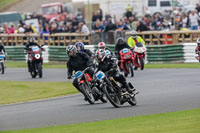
(79, 46)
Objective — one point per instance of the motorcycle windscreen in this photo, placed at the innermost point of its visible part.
(125, 50)
(35, 48)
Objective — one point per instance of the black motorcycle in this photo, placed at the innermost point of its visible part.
(114, 91)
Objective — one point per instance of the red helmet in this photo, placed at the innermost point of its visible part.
(101, 45)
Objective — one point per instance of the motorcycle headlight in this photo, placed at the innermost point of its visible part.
(37, 56)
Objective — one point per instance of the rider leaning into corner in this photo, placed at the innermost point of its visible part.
(106, 63)
(197, 50)
(78, 61)
(31, 42)
(102, 45)
(133, 40)
(2, 49)
(81, 48)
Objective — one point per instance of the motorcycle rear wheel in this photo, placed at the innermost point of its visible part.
(87, 93)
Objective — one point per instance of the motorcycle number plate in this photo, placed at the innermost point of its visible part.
(100, 75)
(78, 74)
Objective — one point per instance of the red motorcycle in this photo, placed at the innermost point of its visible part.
(139, 55)
(197, 56)
(35, 60)
(127, 61)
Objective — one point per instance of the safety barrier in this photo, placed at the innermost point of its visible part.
(15, 53)
(189, 52)
(154, 54)
(165, 53)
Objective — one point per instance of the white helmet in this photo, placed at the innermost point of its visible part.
(134, 33)
(101, 45)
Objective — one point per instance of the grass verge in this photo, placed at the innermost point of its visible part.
(23, 64)
(18, 91)
(181, 65)
(5, 3)
(174, 122)
(20, 64)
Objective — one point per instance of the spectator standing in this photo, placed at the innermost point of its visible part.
(198, 8)
(6, 29)
(83, 28)
(121, 26)
(194, 18)
(12, 29)
(98, 27)
(141, 27)
(110, 26)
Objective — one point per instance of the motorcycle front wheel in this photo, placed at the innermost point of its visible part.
(130, 68)
(40, 70)
(87, 92)
(113, 97)
(2, 68)
(141, 63)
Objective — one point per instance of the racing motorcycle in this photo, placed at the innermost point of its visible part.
(127, 61)
(139, 55)
(36, 61)
(2, 63)
(89, 87)
(197, 56)
(114, 91)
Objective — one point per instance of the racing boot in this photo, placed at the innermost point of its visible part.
(128, 88)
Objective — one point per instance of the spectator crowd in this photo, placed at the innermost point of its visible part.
(104, 22)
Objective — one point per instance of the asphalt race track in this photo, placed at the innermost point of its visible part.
(161, 90)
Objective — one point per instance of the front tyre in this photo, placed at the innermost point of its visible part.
(130, 67)
(40, 70)
(87, 93)
(141, 63)
(2, 68)
(112, 96)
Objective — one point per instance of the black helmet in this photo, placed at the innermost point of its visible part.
(71, 49)
(31, 39)
(120, 40)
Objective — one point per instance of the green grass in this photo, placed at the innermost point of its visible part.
(4, 3)
(181, 65)
(17, 91)
(22, 64)
(174, 122)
